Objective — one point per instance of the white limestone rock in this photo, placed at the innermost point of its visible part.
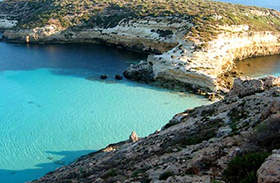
(133, 137)
(7, 24)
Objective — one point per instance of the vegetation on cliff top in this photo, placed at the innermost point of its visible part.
(205, 15)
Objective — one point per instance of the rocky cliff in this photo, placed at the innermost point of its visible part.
(136, 34)
(196, 42)
(227, 141)
(206, 66)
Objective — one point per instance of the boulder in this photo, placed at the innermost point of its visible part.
(133, 137)
(269, 172)
(245, 86)
(118, 77)
(103, 77)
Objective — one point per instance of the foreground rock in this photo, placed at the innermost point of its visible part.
(198, 145)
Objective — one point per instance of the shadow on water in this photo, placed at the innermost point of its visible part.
(73, 60)
(95, 58)
(87, 61)
(19, 176)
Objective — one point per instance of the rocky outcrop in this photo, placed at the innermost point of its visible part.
(182, 60)
(133, 137)
(198, 145)
(140, 72)
(7, 24)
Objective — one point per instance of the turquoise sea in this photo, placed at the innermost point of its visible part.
(50, 113)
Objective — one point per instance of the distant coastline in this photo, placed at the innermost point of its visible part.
(267, 4)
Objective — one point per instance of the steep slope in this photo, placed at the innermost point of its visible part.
(204, 144)
(198, 40)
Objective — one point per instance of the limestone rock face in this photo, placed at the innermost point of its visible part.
(136, 34)
(204, 67)
(269, 172)
(140, 72)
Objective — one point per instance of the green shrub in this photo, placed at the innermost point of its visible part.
(243, 168)
(110, 173)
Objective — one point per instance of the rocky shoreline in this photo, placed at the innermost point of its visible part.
(180, 62)
(204, 144)
(143, 72)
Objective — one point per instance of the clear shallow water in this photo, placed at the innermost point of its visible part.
(50, 112)
(260, 66)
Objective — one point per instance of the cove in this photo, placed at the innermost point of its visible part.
(50, 113)
(259, 66)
